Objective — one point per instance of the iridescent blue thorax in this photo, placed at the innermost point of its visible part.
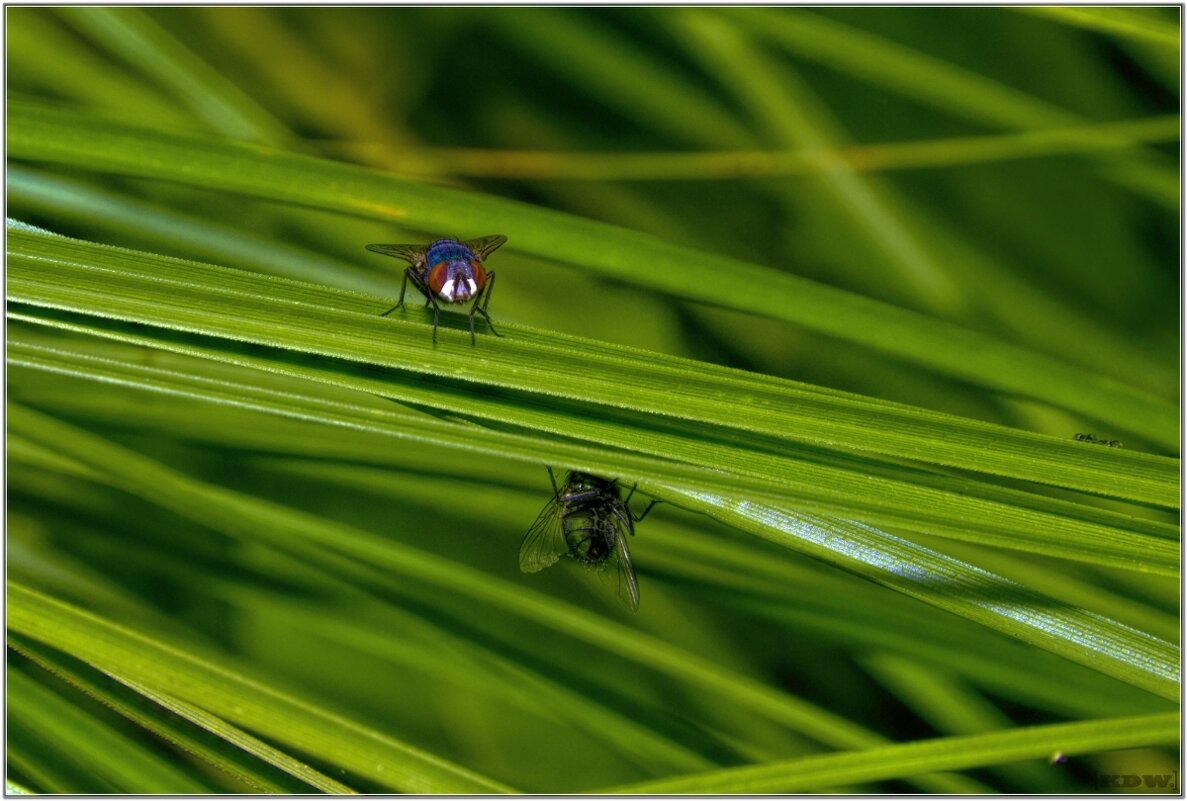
(447, 250)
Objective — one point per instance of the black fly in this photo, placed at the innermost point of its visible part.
(587, 520)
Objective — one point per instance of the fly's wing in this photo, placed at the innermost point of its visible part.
(545, 541)
(484, 246)
(413, 254)
(624, 571)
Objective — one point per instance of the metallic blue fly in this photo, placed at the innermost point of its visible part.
(587, 520)
(449, 270)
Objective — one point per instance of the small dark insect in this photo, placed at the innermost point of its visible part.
(1110, 443)
(588, 520)
(449, 270)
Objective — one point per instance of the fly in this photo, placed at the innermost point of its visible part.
(587, 520)
(450, 271)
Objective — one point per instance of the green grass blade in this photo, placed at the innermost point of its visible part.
(135, 37)
(167, 230)
(1008, 518)
(40, 134)
(950, 753)
(936, 82)
(243, 516)
(1093, 640)
(93, 743)
(732, 165)
(221, 745)
(140, 660)
(1127, 23)
(170, 294)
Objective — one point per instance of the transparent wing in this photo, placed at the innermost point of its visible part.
(545, 541)
(413, 254)
(486, 245)
(624, 570)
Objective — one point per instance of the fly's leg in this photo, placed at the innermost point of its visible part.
(481, 301)
(423, 288)
(556, 493)
(436, 315)
(408, 273)
(627, 504)
(646, 511)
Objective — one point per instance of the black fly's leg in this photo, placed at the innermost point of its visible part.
(556, 493)
(481, 301)
(650, 506)
(423, 288)
(408, 273)
(627, 504)
(436, 315)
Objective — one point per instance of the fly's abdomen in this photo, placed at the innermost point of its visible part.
(591, 537)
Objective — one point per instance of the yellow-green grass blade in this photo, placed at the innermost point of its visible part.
(242, 516)
(1093, 640)
(732, 165)
(961, 509)
(934, 81)
(92, 743)
(949, 753)
(1128, 23)
(132, 35)
(149, 662)
(167, 230)
(165, 293)
(45, 135)
(259, 766)
(744, 574)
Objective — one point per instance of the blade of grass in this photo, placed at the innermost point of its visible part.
(41, 134)
(147, 663)
(41, 51)
(1128, 23)
(223, 746)
(170, 294)
(953, 708)
(963, 589)
(93, 743)
(242, 516)
(744, 164)
(66, 199)
(948, 753)
(1067, 530)
(133, 36)
(938, 83)
(956, 277)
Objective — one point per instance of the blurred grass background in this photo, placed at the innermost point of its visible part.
(207, 598)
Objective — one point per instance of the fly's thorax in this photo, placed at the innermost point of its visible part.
(580, 487)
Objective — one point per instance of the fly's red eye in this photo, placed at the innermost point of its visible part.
(438, 276)
(479, 273)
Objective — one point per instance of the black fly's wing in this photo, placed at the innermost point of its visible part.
(484, 246)
(545, 541)
(413, 254)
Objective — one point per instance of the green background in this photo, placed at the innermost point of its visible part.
(839, 285)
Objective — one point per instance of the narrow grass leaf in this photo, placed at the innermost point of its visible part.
(93, 743)
(171, 294)
(1009, 518)
(227, 748)
(1022, 612)
(951, 753)
(139, 659)
(40, 134)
